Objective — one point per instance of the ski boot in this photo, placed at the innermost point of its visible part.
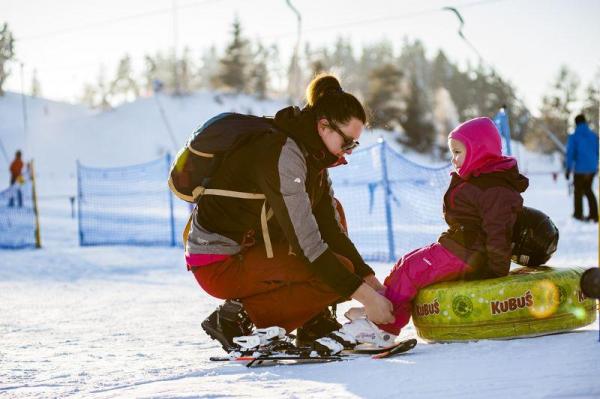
(317, 327)
(226, 322)
(365, 331)
(260, 338)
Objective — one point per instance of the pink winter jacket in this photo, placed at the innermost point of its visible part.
(482, 201)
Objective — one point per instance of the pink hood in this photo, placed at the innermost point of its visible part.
(484, 148)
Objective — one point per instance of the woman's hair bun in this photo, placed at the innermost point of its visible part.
(320, 85)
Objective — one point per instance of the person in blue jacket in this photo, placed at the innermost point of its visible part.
(501, 121)
(582, 158)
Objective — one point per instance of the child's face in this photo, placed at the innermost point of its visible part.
(458, 151)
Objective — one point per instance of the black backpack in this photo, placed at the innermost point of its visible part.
(195, 163)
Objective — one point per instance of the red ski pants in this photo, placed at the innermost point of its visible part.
(280, 291)
(415, 270)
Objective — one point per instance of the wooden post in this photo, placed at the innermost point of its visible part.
(38, 240)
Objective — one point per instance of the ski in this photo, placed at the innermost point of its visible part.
(400, 347)
(397, 348)
(270, 360)
(278, 359)
(293, 355)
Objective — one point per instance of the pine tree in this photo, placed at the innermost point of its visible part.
(209, 68)
(343, 64)
(317, 60)
(417, 119)
(36, 89)
(88, 96)
(124, 87)
(98, 95)
(445, 118)
(294, 78)
(185, 68)
(259, 75)
(233, 74)
(7, 53)
(556, 110)
(384, 97)
(442, 71)
(372, 57)
(591, 106)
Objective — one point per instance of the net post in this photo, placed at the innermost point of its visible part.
(387, 192)
(171, 211)
(38, 240)
(79, 195)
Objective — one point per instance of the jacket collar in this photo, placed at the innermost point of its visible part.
(301, 126)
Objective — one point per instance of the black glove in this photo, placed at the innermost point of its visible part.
(567, 174)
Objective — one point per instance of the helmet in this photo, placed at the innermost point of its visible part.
(590, 283)
(535, 238)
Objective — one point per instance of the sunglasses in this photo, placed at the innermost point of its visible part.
(349, 142)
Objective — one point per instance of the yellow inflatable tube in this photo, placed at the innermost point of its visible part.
(527, 302)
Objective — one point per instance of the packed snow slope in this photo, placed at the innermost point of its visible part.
(124, 322)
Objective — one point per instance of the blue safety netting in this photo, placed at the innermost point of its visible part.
(128, 205)
(17, 217)
(392, 204)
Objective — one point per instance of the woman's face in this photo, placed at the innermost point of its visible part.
(340, 139)
(458, 151)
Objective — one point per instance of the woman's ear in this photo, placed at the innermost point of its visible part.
(321, 123)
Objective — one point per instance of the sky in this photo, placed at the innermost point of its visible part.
(525, 41)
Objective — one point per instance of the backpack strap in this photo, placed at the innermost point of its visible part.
(200, 191)
(199, 153)
(265, 215)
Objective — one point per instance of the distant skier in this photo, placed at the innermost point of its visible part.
(582, 158)
(16, 179)
(501, 121)
(480, 207)
(314, 263)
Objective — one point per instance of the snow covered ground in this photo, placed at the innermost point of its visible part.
(121, 322)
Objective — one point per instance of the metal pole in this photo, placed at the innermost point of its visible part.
(79, 202)
(295, 68)
(165, 120)
(4, 152)
(24, 105)
(175, 68)
(388, 206)
(38, 239)
(171, 212)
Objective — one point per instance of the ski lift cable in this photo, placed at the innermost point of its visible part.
(114, 20)
(76, 29)
(4, 152)
(272, 36)
(482, 61)
(368, 21)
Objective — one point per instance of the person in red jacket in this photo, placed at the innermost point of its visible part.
(480, 208)
(16, 176)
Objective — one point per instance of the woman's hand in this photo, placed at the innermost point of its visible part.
(374, 283)
(377, 307)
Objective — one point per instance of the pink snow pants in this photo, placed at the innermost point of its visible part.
(415, 270)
